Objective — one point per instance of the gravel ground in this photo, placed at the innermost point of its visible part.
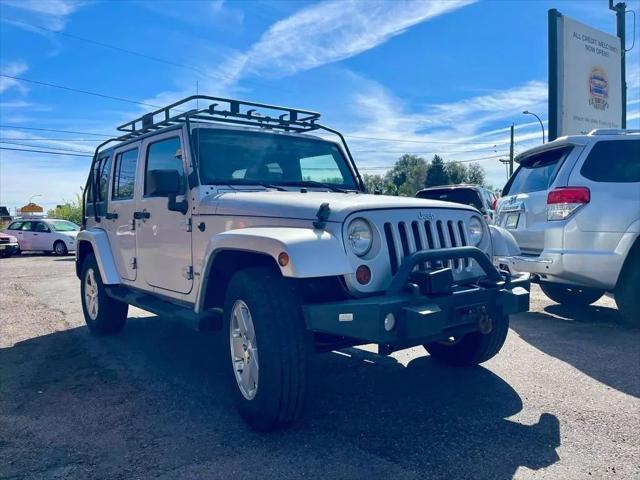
(560, 401)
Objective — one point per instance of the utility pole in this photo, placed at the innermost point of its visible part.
(511, 153)
(620, 10)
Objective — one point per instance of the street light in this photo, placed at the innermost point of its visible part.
(527, 112)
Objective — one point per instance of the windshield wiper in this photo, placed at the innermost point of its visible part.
(313, 183)
(256, 182)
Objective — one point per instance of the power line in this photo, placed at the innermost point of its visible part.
(44, 146)
(45, 151)
(77, 90)
(51, 139)
(17, 127)
(399, 140)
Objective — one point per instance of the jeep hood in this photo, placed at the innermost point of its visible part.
(294, 204)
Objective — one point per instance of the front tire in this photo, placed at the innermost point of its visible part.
(626, 293)
(262, 313)
(103, 314)
(573, 296)
(60, 248)
(472, 348)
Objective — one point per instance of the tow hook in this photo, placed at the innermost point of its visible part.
(485, 324)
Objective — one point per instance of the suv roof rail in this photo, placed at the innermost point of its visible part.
(222, 110)
(613, 131)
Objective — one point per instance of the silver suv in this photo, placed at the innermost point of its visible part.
(236, 217)
(573, 206)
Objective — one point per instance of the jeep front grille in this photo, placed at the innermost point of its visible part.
(404, 238)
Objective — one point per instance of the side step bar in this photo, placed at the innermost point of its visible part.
(208, 320)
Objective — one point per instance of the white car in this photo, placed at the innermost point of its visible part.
(45, 235)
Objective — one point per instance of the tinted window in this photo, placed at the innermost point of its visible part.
(165, 155)
(243, 157)
(63, 226)
(41, 227)
(124, 175)
(536, 172)
(26, 226)
(14, 226)
(465, 196)
(103, 178)
(613, 161)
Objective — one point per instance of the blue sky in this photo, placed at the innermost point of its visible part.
(424, 77)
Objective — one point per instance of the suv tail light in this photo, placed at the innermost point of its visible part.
(493, 205)
(563, 201)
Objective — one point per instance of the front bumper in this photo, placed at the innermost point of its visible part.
(420, 318)
(9, 248)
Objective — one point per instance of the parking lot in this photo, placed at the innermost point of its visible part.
(561, 400)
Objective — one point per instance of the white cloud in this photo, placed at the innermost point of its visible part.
(14, 69)
(50, 14)
(332, 31)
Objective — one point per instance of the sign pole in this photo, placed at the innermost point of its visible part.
(511, 153)
(552, 115)
(620, 10)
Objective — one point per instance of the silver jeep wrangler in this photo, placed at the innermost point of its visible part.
(235, 217)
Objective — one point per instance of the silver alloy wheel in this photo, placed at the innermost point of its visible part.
(59, 248)
(91, 294)
(244, 349)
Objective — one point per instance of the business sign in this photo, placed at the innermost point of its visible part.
(585, 83)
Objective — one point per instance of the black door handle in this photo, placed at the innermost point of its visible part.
(141, 215)
(111, 215)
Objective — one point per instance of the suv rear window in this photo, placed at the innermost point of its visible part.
(536, 172)
(466, 196)
(616, 161)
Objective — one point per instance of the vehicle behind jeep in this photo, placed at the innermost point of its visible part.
(475, 195)
(573, 205)
(238, 217)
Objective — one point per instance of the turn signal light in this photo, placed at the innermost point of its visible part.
(283, 259)
(563, 201)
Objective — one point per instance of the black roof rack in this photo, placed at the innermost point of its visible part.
(222, 110)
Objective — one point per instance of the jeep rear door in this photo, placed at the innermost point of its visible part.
(164, 237)
(119, 221)
(523, 206)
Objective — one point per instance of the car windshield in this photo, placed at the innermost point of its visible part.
(63, 226)
(242, 157)
(466, 196)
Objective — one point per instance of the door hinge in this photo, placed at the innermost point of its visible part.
(133, 224)
(133, 263)
(187, 272)
(188, 224)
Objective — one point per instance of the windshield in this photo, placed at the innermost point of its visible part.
(228, 157)
(536, 172)
(63, 226)
(465, 196)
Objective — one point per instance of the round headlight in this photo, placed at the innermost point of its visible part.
(475, 231)
(360, 236)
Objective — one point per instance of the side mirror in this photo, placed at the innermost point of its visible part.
(162, 183)
(167, 183)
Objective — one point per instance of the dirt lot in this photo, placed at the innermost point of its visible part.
(560, 401)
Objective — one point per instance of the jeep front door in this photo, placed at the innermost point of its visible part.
(164, 239)
(119, 220)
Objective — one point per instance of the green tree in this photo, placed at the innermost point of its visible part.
(379, 184)
(69, 210)
(457, 172)
(476, 174)
(437, 173)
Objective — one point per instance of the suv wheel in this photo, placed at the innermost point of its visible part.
(268, 348)
(573, 296)
(103, 314)
(472, 348)
(626, 293)
(60, 248)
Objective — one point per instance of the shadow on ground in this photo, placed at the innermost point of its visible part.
(592, 339)
(152, 402)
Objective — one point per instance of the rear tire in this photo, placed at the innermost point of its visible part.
(103, 314)
(573, 296)
(275, 395)
(60, 248)
(626, 293)
(472, 348)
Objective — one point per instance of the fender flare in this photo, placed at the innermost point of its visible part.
(102, 250)
(312, 253)
(503, 243)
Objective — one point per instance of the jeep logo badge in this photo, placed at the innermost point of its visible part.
(426, 216)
